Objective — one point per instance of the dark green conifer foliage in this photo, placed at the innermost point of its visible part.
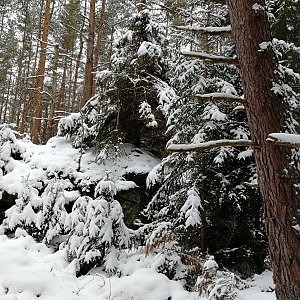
(205, 195)
(128, 107)
(286, 27)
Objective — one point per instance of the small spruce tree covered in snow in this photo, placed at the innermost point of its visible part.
(22, 214)
(214, 284)
(163, 245)
(128, 107)
(41, 216)
(97, 231)
(10, 149)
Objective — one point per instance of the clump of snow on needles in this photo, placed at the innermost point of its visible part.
(58, 155)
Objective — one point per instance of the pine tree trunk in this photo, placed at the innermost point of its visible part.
(70, 83)
(51, 129)
(100, 35)
(7, 96)
(77, 65)
(41, 74)
(62, 90)
(266, 114)
(26, 96)
(88, 73)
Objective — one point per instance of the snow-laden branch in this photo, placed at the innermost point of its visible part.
(252, 185)
(210, 58)
(210, 145)
(211, 30)
(285, 139)
(219, 1)
(240, 108)
(221, 97)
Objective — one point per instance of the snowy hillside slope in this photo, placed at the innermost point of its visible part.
(31, 271)
(58, 155)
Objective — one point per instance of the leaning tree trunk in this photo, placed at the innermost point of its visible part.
(266, 113)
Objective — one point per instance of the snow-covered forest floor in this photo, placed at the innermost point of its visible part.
(31, 271)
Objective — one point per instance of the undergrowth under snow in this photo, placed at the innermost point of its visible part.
(30, 270)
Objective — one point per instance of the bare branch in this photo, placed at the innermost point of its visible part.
(226, 30)
(210, 145)
(210, 58)
(221, 97)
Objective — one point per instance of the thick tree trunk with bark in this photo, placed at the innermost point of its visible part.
(51, 128)
(37, 97)
(100, 38)
(74, 105)
(100, 35)
(266, 114)
(89, 65)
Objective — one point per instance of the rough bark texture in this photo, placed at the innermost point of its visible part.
(88, 73)
(37, 97)
(51, 129)
(78, 60)
(100, 36)
(266, 114)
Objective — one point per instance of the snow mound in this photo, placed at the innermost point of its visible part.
(29, 271)
(59, 156)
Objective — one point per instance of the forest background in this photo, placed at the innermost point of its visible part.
(106, 74)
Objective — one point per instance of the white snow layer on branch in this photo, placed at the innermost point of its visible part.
(148, 48)
(106, 186)
(154, 176)
(209, 145)
(257, 7)
(66, 123)
(191, 208)
(290, 140)
(208, 29)
(220, 96)
(212, 112)
(145, 112)
(210, 58)
(202, 55)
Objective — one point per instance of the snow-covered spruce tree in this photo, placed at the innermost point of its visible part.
(10, 149)
(206, 195)
(97, 230)
(214, 284)
(10, 152)
(284, 26)
(127, 107)
(22, 214)
(41, 216)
